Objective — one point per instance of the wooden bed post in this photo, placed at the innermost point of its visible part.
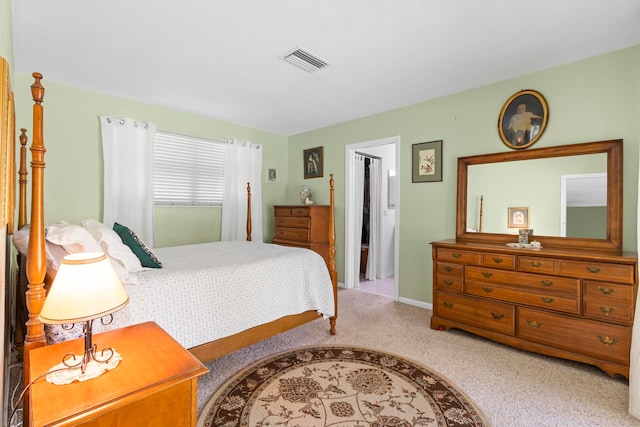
(22, 181)
(332, 254)
(36, 258)
(248, 212)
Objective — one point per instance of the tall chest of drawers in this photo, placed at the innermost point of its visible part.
(303, 226)
(573, 304)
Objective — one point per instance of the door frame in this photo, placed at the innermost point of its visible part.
(352, 269)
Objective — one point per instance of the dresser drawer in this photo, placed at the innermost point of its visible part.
(450, 284)
(295, 234)
(608, 302)
(455, 270)
(607, 291)
(598, 270)
(498, 260)
(563, 303)
(540, 282)
(291, 211)
(595, 339)
(494, 316)
(292, 222)
(461, 256)
(536, 264)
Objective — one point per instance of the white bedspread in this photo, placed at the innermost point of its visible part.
(208, 291)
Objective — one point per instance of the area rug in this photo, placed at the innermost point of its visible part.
(339, 386)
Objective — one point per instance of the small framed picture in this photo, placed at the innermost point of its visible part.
(313, 162)
(427, 162)
(272, 175)
(518, 217)
(523, 119)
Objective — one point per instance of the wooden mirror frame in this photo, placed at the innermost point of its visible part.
(613, 150)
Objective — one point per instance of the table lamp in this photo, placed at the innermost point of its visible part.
(85, 288)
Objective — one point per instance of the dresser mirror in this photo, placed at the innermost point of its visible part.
(543, 181)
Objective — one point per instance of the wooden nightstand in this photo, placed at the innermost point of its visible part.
(155, 383)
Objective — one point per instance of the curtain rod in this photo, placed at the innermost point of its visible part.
(369, 155)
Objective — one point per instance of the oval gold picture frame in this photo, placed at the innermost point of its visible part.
(523, 119)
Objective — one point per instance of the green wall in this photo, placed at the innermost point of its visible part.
(74, 172)
(591, 100)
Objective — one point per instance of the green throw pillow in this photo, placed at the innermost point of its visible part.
(131, 239)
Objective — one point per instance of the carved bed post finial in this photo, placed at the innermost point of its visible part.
(332, 253)
(37, 90)
(248, 212)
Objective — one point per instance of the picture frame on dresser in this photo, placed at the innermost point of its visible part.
(517, 217)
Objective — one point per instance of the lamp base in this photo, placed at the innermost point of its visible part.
(63, 374)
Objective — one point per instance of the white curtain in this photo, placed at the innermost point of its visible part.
(374, 218)
(357, 168)
(242, 164)
(127, 147)
(634, 369)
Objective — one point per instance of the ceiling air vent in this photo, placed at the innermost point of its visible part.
(304, 60)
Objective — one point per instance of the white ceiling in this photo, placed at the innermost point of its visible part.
(220, 58)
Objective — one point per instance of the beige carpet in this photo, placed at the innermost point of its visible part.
(513, 388)
(339, 386)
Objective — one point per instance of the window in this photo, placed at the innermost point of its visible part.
(187, 171)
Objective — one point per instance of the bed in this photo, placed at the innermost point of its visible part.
(197, 323)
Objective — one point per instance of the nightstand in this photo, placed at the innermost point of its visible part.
(155, 383)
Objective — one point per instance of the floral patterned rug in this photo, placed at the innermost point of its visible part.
(339, 387)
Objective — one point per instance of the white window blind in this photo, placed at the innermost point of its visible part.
(187, 171)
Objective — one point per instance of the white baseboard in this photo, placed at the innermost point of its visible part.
(416, 303)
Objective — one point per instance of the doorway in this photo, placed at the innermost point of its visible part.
(387, 206)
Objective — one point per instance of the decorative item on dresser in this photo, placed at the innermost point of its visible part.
(302, 226)
(567, 297)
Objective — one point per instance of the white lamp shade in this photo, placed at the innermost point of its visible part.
(86, 287)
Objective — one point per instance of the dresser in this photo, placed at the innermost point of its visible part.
(569, 303)
(303, 226)
(155, 383)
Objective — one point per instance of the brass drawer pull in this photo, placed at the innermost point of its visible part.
(448, 282)
(606, 309)
(534, 324)
(606, 291)
(546, 282)
(487, 289)
(535, 264)
(448, 269)
(447, 304)
(607, 340)
(487, 274)
(497, 316)
(497, 260)
(593, 270)
(547, 300)
(457, 255)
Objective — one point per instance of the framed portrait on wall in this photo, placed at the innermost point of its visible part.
(272, 175)
(523, 119)
(313, 162)
(427, 162)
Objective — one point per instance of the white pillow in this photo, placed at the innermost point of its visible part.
(112, 245)
(53, 252)
(73, 238)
